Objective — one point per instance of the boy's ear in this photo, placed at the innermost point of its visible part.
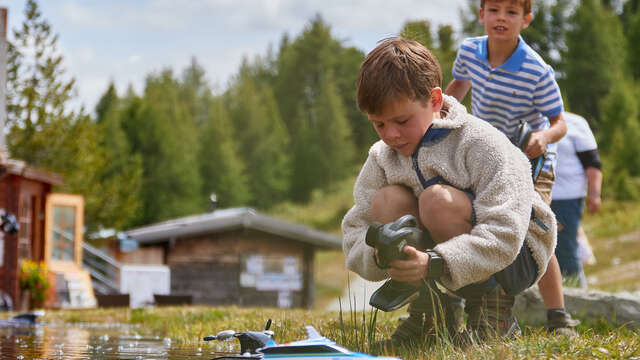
(437, 100)
(527, 20)
(481, 16)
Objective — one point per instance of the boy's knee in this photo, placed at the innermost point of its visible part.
(391, 202)
(441, 204)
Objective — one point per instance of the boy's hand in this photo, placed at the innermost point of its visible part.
(411, 270)
(537, 144)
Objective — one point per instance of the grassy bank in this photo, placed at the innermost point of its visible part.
(191, 324)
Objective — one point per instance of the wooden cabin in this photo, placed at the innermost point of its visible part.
(234, 257)
(50, 232)
(23, 193)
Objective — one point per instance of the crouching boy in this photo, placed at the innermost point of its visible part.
(491, 235)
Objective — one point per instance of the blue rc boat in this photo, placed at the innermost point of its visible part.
(261, 345)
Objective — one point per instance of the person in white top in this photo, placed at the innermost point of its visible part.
(578, 176)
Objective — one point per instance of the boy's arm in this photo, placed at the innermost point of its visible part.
(539, 139)
(359, 256)
(458, 89)
(594, 181)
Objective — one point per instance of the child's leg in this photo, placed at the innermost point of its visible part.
(392, 202)
(550, 285)
(424, 322)
(445, 211)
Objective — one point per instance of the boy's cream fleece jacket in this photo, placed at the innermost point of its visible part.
(473, 156)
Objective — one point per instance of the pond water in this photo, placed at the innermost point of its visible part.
(99, 341)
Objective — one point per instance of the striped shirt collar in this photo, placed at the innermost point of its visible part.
(513, 63)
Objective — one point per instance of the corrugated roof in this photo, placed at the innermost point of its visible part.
(229, 220)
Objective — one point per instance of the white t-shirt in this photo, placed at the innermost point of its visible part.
(571, 182)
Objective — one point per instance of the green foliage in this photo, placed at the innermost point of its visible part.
(121, 180)
(419, 31)
(469, 19)
(545, 34)
(159, 128)
(223, 171)
(632, 32)
(262, 137)
(594, 59)
(315, 92)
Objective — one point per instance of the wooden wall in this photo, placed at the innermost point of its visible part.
(25, 199)
(210, 268)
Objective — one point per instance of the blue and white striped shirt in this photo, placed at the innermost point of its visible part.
(521, 89)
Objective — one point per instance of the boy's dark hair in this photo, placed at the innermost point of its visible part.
(526, 4)
(397, 68)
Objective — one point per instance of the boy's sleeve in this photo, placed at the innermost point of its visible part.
(547, 99)
(359, 256)
(459, 70)
(501, 181)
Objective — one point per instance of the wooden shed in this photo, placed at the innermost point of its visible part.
(234, 256)
(23, 193)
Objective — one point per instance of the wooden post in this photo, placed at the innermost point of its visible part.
(3, 82)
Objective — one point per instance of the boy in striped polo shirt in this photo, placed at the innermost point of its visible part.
(511, 84)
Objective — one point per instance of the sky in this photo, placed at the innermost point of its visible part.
(125, 40)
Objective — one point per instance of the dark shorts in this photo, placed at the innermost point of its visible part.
(513, 279)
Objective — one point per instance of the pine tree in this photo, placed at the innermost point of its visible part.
(419, 31)
(159, 128)
(446, 52)
(223, 171)
(594, 58)
(46, 133)
(469, 19)
(36, 94)
(263, 141)
(632, 31)
(303, 65)
(122, 177)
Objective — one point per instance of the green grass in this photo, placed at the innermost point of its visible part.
(358, 330)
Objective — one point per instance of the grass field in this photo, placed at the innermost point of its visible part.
(353, 330)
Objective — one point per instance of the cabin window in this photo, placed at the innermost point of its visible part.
(64, 224)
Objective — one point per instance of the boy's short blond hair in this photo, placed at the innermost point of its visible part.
(526, 4)
(397, 68)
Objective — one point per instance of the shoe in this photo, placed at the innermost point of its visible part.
(561, 323)
(393, 295)
(491, 316)
(431, 316)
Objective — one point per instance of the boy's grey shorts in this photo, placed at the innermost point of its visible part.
(520, 275)
(516, 277)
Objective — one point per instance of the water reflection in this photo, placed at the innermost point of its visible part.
(95, 341)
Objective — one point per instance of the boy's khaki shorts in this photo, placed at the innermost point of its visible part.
(543, 185)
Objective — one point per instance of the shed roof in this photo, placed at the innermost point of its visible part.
(229, 220)
(21, 168)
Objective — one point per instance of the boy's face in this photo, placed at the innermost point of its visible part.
(503, 20)
(402, 123)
